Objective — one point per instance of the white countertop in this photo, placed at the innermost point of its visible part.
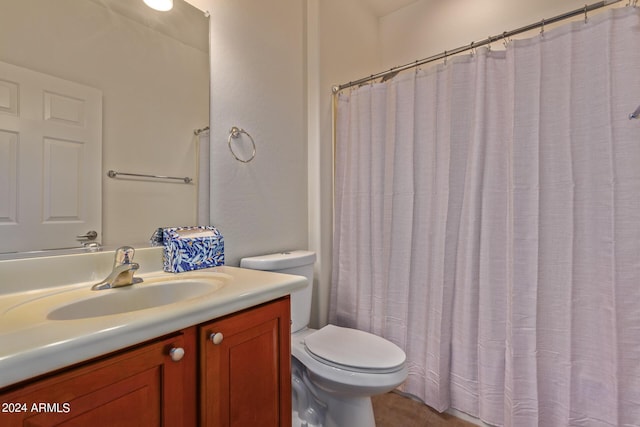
(32, 344)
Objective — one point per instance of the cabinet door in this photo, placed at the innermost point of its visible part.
(140, 387)
(246, 371)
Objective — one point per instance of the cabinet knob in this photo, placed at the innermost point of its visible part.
(176, 353)
(216, 337)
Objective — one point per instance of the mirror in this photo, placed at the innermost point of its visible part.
(152, 69)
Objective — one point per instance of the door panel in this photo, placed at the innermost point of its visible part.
(50, 160)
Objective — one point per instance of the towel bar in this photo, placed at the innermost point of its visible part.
(114, 174)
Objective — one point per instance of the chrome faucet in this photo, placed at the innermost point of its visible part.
(123, 270)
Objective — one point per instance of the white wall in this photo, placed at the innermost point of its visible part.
(429, 27)
(258, 84)
(272, 67)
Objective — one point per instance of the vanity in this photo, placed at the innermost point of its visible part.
(209, 347)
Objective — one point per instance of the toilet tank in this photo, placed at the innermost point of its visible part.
(295, 262)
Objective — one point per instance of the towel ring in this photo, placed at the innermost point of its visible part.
(234, 133)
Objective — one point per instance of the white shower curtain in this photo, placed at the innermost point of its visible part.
(487, 220)
(204, 175)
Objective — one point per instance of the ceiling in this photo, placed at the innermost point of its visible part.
(185, 23)
(385, 7)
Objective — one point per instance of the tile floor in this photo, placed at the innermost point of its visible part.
(395, 410)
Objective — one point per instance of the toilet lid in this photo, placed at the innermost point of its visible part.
(351, 348)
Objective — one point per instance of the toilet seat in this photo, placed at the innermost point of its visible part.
(354, 350)
(344, 381)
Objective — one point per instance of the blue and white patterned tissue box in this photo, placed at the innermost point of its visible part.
(192, 248)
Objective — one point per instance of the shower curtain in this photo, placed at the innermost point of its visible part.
(204, 173)
(487, 220)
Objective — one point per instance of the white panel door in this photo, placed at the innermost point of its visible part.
(50, 160)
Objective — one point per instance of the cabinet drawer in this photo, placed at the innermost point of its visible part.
(141, 386)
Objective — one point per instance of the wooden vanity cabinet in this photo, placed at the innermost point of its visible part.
(245, 365)
(244, 379)
(142, 386)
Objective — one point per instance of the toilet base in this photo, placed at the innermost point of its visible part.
(351, 412)
(315, 407)
(354, 412)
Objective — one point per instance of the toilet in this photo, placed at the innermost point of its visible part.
(334, 370)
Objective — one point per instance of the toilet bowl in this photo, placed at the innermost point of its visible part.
(349, 362)
(335, 370)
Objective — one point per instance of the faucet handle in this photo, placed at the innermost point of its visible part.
(124, 255)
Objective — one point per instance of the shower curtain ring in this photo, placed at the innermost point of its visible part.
(542, 28)
(585, 14)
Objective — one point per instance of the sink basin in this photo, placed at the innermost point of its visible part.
(151, 293)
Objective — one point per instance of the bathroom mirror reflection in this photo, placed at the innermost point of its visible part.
(151, 70)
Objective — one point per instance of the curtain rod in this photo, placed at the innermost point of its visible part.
(505, 35)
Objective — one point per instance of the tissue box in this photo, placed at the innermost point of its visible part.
(192, 248)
